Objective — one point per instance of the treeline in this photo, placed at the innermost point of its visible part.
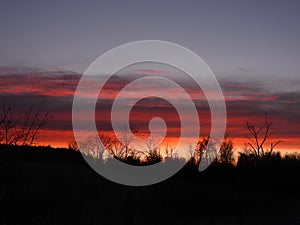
(44, 185)
(73, 156)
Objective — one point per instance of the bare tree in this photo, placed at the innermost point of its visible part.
(92, 147)
(169, 150)
(191, 154)
(226, 152)
(119, 148)
(22, 129)
(210, 149)
(152, 152)
(259, 136)
(72, 145)
(126, 139)
(8, 122)
(201, 149)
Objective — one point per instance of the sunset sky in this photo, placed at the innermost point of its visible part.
(251, 46)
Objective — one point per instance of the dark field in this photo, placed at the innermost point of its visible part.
(56, 187)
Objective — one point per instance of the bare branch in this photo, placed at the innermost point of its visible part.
(259, 137)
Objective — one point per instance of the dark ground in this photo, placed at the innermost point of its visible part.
(56, 187)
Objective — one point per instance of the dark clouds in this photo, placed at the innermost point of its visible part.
(245, 102)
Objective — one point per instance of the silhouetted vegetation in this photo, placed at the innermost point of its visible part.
(22, 129)
(44, 185)
(259, 135)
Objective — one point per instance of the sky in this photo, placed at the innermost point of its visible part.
(251, 46)
(245, 102)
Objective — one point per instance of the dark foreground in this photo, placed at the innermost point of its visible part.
(56, 187)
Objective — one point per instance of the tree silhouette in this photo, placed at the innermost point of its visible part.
(201, 149)
(152, 152)
(91, 146)
(226, 152)
(22, 129)
(259, 136)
